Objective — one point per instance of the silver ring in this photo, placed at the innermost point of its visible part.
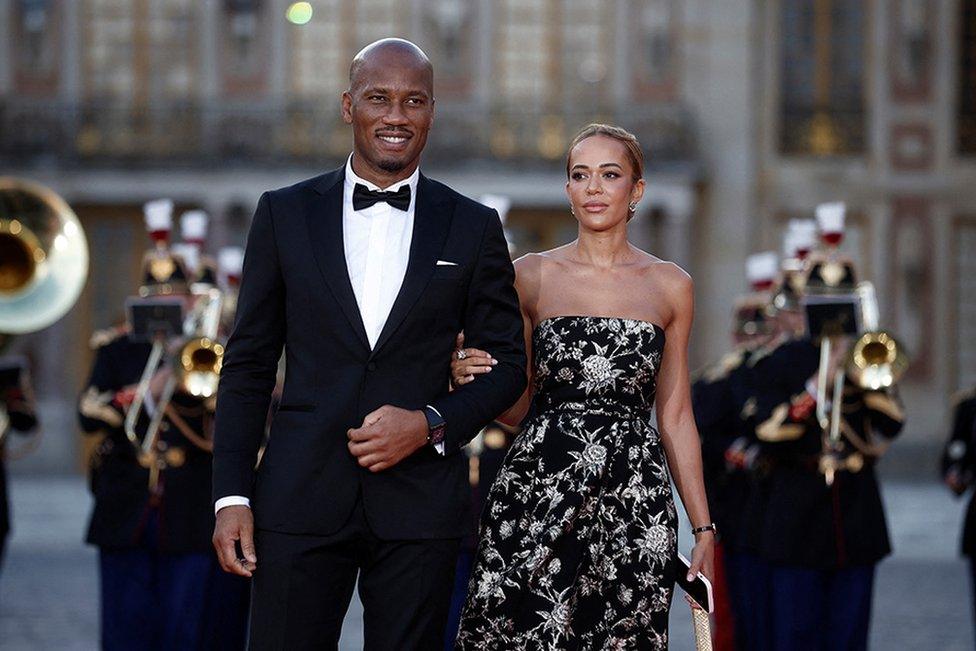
(461, 354)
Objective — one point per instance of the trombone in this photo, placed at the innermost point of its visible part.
(875, 361)
(196, 371)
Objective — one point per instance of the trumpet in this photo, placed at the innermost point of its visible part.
(196, 371)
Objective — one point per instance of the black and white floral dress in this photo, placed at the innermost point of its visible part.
(579, 531)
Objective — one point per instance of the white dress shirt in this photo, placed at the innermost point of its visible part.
(377, 246)
(376, 241)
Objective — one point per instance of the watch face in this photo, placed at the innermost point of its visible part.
(437, 434)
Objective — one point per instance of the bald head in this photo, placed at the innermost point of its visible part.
(390, 105)
(387, 52)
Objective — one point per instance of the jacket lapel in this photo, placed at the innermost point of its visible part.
(431, 223)
(324, 221)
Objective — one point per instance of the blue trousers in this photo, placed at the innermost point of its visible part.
(153, 600)
(749, 591)
(819, 610)
(972, 572)
(462, 575)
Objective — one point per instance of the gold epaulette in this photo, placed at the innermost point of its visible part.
(766, 351)
(776, 430)
(962, 396)
(97, 405)
(721, 369)
(106, 336)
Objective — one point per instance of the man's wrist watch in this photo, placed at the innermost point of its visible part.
(436, 426)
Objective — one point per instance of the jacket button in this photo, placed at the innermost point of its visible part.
(371, 366)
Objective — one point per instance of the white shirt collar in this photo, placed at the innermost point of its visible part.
(352, 179)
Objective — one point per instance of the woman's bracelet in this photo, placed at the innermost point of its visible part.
(708, 527)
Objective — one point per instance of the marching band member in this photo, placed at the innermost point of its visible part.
(17, 414)
(824, 526)
(719, 394)
(152, 518)
(959, 469)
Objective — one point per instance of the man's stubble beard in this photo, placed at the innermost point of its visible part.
(392, 166)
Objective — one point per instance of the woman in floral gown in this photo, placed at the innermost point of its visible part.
(578, 536)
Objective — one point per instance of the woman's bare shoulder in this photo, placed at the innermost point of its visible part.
(664, 272)
(535, 263)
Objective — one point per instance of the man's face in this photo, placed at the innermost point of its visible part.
(390, 107)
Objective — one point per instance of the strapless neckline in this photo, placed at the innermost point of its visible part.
(599, 318)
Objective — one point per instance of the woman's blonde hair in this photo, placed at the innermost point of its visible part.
(634, 153)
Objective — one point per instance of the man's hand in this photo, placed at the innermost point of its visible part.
(955, 481)
(387, 436)
(235, 523)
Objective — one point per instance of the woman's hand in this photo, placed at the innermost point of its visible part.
(466, 363)
(703, 556)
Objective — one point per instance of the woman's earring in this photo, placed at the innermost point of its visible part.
(633, 206)
(572, 211)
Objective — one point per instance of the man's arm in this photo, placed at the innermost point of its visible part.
(250, 363)
(492, 322)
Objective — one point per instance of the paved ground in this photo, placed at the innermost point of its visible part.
(49, 589)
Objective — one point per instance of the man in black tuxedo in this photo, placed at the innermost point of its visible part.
(365, 275)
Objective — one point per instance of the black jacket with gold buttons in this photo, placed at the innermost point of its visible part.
(180, 502)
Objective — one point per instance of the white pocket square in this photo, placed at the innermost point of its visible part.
(446, 263)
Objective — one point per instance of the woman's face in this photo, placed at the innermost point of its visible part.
(600, 185)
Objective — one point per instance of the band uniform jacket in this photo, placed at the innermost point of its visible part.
(960, 457)
(119, 483)
(23, 420)
(719, 395)
(296, 293)
(806, 522)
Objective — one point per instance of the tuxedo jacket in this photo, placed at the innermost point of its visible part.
(296, 293)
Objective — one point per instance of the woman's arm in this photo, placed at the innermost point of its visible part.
(513, 415)
(676, 420)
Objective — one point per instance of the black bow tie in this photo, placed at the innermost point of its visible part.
(363, 197)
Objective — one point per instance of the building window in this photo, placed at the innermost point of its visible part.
(141, 52)
(376, 19)
(173, 49)
(36, 48)
(245, 45)
(319, 66)
(524, 47)
(110, 50)
(655, 51)
(967, 78)
(964, 275)
(586, 60)
(822, 77)
(449, 40)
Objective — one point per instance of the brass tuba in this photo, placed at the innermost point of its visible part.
(43, 262)
(43, 256)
